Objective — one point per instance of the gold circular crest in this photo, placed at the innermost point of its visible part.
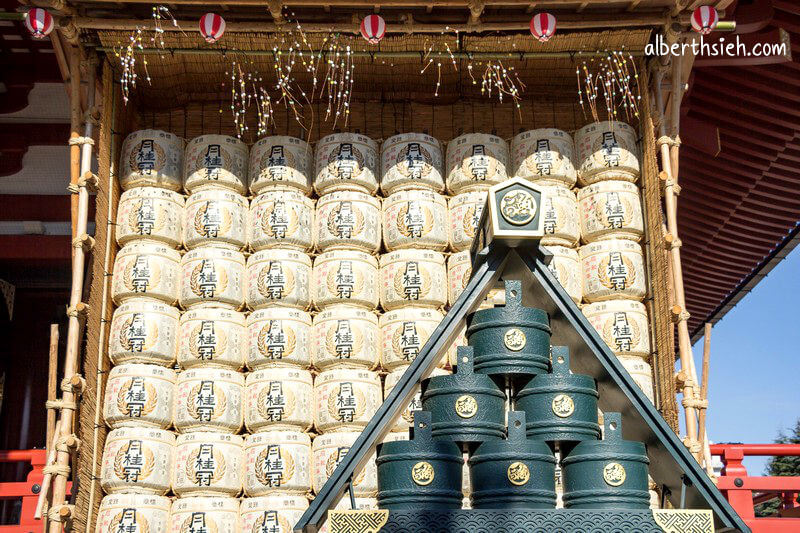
(563, 406)
(205, 231)
(291, 225)
(614, 474)
(514, 339)
(124, 405)
(605, 278)
(158, 164)
(407, 230)
(518, 207)
(152, 280)
(466, 406)
(289, 343)
(148, 463)
(518, 473)
(287, 472)
(422, 473)
(197, 287)
(151, 335)
(264, 285)
(187, 526)
(137, 525)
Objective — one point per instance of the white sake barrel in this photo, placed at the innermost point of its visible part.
(611, 210)
(146, 268)
(345, 277)
(279, 336)
(459, 270)
(209, 464)
(362, 504)
(607, 151)
(276, 513)
(133, 512)
(205, 514)
(566, 267)
(476, 161)
(278, 277)
(348, 219)
(137, 461)
(346, 162)
(213, 276)
(560, 211)
(612, 269)
(279, 398)
(346, 336)
(215, 215)
(415, 219)
(213, 337)
(150, 213)
(406, 418)
(282, 218)
(139, 395)
(623, 325)
(403, 334)
(345, 399)
(281, 161)
(641, 372)
(543, 155)
(209, 399)
(328, 451)
(277, 461)
(411, 161)
(151, 158)
(144, 331)
(465, 212)
(413, 277)
(217, 160)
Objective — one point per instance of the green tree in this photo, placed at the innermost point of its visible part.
(781, 466)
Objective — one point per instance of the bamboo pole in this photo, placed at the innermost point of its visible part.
(679, 313)
(73, 382)
(52, 385)
(703, 405)
(75, 121)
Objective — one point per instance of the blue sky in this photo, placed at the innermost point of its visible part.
(754, 381)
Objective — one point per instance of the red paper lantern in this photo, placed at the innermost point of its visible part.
(212, 26)
(543, 26)
(39, 22)
(373, 28)
(704, 19)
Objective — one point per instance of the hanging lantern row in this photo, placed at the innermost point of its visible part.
(704, 19)
(543, 26)
(39, 22)
(212, 26)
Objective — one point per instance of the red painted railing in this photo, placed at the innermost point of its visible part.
(744, 491)
(27, 491)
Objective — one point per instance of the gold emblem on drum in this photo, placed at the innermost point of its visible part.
(134, 462)
(140, 275)
(422, 473)
(614, 474)
(414, 225)
(616, 271)
(214, 224)
(335, 458)
(282, 228)
(562, 406)
(149, 158)
(268, 521)
(207, 469)
(137, 334)
(129, 520)
(514, 339)
(142, 221)
(613, 212)
(347, 404)
(414, 161)
(207, 281)
(345, 225)
(201, 348)
(274, 466)
(204, 406)
(199, 522)
(136, 398)
(518, 207)
(621, 334)
(274, 284)
(518, 473)
(466, 406)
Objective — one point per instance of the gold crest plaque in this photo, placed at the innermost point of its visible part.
(514, 339)
(466, 406)
(518, 473)
(614, 474)
(422, 473)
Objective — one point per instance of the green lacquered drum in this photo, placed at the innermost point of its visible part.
(510, 339)
(607, 474)
(465, 407)
(516, 473)
(560, 407)
(421, 473)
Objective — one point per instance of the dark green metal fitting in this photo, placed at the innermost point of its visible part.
(465, 407)
(421, 473)
(560, 407)
(516, 473)
(607, 474)
(510, 339)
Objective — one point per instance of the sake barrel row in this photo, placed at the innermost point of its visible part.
(149, 513)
